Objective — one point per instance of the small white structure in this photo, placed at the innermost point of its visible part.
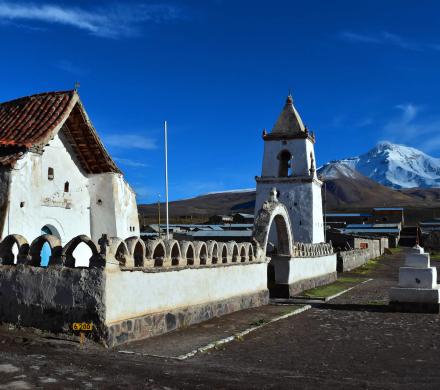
(289, 166)
(418, 289)
(56, 176)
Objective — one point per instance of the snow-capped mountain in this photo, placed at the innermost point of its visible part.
(392, 165)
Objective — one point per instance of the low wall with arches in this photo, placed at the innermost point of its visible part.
(129, 289)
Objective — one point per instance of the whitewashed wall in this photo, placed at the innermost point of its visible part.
(45, 202)
(133, 294)
(296, 269)
(112, 206)
(304, 203)
(299, 149)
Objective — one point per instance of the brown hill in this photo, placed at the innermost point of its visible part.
(354, 192)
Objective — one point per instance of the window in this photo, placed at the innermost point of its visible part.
(284, 169)
(50, 173)
(21, 204)
(66, 186)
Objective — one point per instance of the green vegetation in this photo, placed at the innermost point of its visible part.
(259, 322)
(434, 256)
(334, 288)
(368, 267)
(395, 250)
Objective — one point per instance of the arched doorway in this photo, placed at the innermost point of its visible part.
(273, 232)
(45, 250)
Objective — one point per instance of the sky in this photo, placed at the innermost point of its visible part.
(219, 72)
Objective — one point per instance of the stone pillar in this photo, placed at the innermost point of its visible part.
(418, 290)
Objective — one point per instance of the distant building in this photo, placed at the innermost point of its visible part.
(390, 230)
(220, 219)
(243, 218)
(388, 215)
(379, 215)
(56, 177)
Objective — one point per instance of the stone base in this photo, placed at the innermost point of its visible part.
(158, 323)
(415, 295)
(290, 290)
(415, 307)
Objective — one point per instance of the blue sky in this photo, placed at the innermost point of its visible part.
(219, 72)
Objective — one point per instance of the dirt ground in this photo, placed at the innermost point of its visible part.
(353, 341)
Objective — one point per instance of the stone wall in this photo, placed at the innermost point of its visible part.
(130, 288)
(349, 260)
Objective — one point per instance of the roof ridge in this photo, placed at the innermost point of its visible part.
(41, 94)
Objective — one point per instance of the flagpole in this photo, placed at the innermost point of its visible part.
(166, 179)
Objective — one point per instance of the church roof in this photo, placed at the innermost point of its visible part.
(31, 122)
(289, 121)
(289, 124)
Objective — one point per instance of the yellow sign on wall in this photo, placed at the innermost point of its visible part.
(82, 326)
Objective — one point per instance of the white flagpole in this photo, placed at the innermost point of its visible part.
(166, 179)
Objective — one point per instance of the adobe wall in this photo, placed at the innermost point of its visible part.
(37, 201)
(52, 298)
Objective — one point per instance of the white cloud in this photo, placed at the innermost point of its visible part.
(109, 22)
(130, 163)
(413, 130)
(384, 38)
(129, 141)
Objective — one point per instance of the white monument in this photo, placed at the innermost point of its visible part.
(418, 289)
(289, 165)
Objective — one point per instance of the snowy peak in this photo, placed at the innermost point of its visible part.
(393, 165)
(339, 170)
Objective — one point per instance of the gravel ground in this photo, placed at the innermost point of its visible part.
(350, 342)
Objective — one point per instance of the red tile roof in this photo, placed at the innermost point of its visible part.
(32, 121)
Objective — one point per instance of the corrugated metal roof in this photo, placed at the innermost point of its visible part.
(347, 215)
(388, 208)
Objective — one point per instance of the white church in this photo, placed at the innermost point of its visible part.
(56, 177)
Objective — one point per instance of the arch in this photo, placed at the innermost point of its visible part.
(233, 250)
(136, 248)
(213, 255)
(172, 252)
(274, 212)
(223, 252)
(251, 252)
(201, 252)
(69, 258)
(118, 249)
(188, 252)
(285, 163)
(9, 245)
(157, 252)
(36, 248)
(243, 252)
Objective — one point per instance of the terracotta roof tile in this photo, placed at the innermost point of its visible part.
(32, 121)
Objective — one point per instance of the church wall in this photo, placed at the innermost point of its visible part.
(113, 207)
(300, 150)
(37, 201)
(303, 201)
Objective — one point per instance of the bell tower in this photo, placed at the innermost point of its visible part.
(289, 166)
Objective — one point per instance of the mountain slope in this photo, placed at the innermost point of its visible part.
(345, 189)
(395, 166)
